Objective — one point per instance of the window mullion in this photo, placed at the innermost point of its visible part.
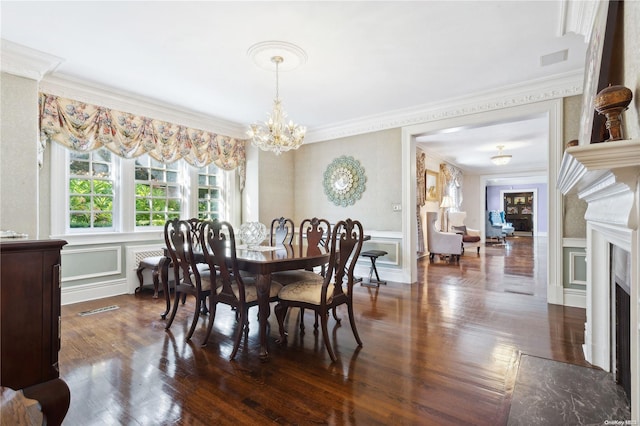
(127, 195)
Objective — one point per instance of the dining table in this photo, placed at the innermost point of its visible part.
(261, 261)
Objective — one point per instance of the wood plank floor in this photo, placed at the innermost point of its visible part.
(444, 351)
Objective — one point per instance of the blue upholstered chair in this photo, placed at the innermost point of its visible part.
(496, 226)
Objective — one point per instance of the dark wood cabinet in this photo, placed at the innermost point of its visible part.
(30, 322)
(518, 208)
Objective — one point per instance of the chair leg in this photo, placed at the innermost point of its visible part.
(177, 296)
(212, 316)
(196, 317)
(301, 320)
(353, 323)
(156, 282)
(324, 319)
(241, 326)
(140, 279)
(281, 311)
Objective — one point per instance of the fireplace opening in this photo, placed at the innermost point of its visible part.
(621, 358)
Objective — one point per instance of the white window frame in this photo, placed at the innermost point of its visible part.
(124, 228)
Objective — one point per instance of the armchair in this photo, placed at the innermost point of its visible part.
(498, 218)
(442, 243)
(470, 237)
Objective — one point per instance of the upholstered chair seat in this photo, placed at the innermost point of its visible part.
(306, 292)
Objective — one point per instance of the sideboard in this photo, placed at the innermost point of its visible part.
(30, 323)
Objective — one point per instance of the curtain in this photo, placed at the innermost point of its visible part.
(86, 127)
(451, 184)
(420, 196)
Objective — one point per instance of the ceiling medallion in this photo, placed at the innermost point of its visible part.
(344, 181)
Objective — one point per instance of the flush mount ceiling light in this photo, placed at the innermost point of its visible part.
(275, 134)
(501, 159)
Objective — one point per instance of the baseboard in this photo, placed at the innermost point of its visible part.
(93, 291)
(386, 274)
(575, 298)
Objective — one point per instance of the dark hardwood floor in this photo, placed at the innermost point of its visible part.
(444, 351)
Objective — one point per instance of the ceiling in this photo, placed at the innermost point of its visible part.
(364, 59)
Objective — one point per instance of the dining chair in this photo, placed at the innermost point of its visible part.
(234, 289)
(282, 231)
(317, 233)
(191, 277)
(335, 289)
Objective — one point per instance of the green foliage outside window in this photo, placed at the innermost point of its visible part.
(90, 203)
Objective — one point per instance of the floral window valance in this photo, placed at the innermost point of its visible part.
(86, 127)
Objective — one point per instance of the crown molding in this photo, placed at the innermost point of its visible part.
(26, 62)
(578, 17)
(93, 93)
(564, 85)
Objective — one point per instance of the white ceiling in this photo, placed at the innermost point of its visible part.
(365, 59)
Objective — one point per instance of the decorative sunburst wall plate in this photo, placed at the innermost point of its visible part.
(344, 181)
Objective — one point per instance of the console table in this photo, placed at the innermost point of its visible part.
(30, 323)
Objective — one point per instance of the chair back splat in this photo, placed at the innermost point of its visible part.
(317, 232)
(282, 231)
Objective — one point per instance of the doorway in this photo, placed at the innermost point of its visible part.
(520, 210)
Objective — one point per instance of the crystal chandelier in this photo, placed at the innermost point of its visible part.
(275, 134)
(501, 159)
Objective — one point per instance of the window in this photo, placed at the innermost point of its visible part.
(91, 189)
(158, 191)
(126, 198)
(210, 197)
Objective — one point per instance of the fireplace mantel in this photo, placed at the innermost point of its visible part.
(605, 175)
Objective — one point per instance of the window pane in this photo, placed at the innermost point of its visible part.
(202, 180)
(157, 175)
(212, 180)
(153, 189)
(79, 186)
(80, 220)
(102, 187)
(101, 169)
(79, 203)
(79, 168)
(159, 191)
(75, 155)
(102, 203)
(102, 220)
(142, 174)
(142, 220)
(172, 177)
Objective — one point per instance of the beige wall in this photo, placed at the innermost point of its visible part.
(574, 225)
(379, 153)
(18, 155)
(275, 186)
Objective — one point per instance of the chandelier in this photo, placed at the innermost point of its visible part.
(501, 159)
(276, 134)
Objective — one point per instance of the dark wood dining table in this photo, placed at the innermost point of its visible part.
(261, 261)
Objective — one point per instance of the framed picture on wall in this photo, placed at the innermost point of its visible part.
(512, 210)
(431, 186)
(597, 70)
(519, 200)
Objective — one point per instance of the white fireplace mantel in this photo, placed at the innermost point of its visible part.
(606, 176)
